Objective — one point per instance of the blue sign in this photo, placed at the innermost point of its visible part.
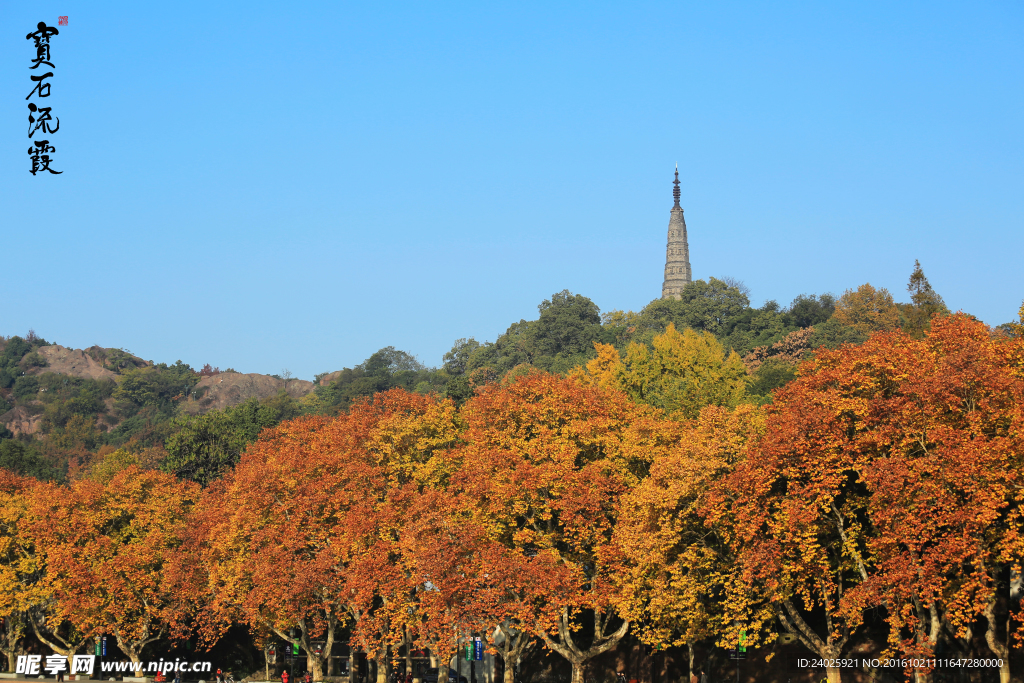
(478, 650)
(104, 646)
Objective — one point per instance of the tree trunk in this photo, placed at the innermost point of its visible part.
(316, 664)
(927, 639)
(689, 647)
(408, 652)
(52, 639)
(12, 630)
(516, 644)
(577, 671)
(134, 655)
(134, 648)
(999, 649)
(830, 648)
(567, 647)
(381, 664)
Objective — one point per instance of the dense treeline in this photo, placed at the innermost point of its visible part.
(873, 506)
(665, 474)
(146, 411)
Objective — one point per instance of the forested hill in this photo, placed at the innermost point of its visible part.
(67, 413)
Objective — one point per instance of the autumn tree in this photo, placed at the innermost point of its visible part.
(20, 570)
(884, 480)
(473, 584)
(678, 568)
(680, 373)
(867, 309)
(306, 534)
(26, 599)
(545, 463)
(131, 531)
(275, 535)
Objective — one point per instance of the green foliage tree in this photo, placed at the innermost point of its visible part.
(456, 361)
(755, 327)
(808, 310)
(24, 459)
(64, 396)
(561, 338)
(26, 387)
(702, 306)
(770, 375)
(202, 447)
(832, 334)
(456, 365)
(565, 332)
(158, 386)
(12, 351)
(386, 369)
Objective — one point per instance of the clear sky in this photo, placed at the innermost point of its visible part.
(275, 185)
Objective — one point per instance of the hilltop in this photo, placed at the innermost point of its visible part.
(63, 410)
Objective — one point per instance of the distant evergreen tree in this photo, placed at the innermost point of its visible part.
(926, 302)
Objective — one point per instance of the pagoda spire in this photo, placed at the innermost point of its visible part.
(677, 252)
(675, 190)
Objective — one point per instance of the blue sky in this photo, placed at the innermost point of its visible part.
(267, 186)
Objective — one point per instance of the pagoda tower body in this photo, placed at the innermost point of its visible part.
(677, 254)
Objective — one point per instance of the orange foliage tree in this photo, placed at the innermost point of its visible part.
(110, 550)
(306, 534)
(545, 463)
(888, 477)
(474, 585)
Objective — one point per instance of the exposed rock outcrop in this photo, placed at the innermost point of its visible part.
(325, 380)
(228, 389)
(73, 362)
(20, 421)
(94, 362)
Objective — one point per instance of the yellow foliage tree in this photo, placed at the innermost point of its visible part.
(680, 373)
(19, 565)
(678, 579)
(868, 309)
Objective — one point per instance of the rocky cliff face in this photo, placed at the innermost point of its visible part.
(325, 380)
(224, 390)
(87, 363)
(21, 421)
(231, 388)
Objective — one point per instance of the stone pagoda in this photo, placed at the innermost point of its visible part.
(677, 255)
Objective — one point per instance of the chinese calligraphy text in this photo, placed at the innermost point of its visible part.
(40, 118)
